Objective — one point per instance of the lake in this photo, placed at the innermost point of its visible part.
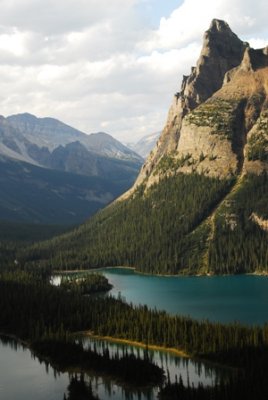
(23, 376)
(242, 298)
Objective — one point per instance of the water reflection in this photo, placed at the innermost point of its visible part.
(191, 371)
(39, 380)
(22, 376)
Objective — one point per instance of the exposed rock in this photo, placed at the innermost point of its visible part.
(262, 223)
(191, 222)
(222, 50)
(217, 123)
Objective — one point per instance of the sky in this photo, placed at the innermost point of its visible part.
(109, 65)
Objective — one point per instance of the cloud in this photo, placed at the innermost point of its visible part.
(62, 16)
(192, 18)
(100, 65)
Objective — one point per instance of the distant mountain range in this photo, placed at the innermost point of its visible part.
(145, 145)
(53, 173)
(50, 143)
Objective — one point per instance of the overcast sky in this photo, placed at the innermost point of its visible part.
(109, 65)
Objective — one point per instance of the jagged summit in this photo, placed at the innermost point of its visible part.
(219, 25)
(221, 52)
(225, 84)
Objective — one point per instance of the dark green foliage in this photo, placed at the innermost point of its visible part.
(15, 235)
(78, 389)
(167, 230)
(219, 114)
(169, 163)
(7, 253)
(19, 232)
(152, 232)
(249, 382)
(44, 315)
(239, 245)
(88, 284)
(128, 368)
(258, 147)
(34, 310)
(258, 141)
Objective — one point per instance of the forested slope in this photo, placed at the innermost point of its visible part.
(200, 203)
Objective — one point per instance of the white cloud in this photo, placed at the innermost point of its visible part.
(192, 18)
(13, 42)
(61, 16)
(99, 65)
(258, 43)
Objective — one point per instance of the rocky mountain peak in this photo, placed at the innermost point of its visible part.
(221, 52)
(219, 25)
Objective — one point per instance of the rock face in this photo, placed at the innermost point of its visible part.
(199, 205)
(217, 123)
(222, 50)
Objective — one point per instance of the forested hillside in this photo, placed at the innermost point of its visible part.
(171, 230)
(200, 203)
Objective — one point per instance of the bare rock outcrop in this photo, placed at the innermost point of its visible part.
(222, 50)
(217, 124)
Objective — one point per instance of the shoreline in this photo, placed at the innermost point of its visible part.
(170, 350)
(180, 275)
(128, 342)
(15, 338)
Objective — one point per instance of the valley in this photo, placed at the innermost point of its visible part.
(51, 173)
(191, 209)
(189, 229)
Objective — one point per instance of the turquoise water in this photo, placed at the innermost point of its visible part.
(242, 298)
(228, 298)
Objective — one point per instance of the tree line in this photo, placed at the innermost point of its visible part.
(47, 316)
(167, 230)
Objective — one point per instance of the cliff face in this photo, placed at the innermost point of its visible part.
(200, 203)
(216, 123)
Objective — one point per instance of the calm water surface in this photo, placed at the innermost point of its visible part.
(24, 377)
(174, 366)
(242, 298)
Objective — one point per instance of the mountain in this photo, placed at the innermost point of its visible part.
(52, 173)
(45, 196)
(200, 203)
(41, 140)
(51, 133)
(145, 145)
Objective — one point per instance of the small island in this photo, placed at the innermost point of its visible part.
(86, 284)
